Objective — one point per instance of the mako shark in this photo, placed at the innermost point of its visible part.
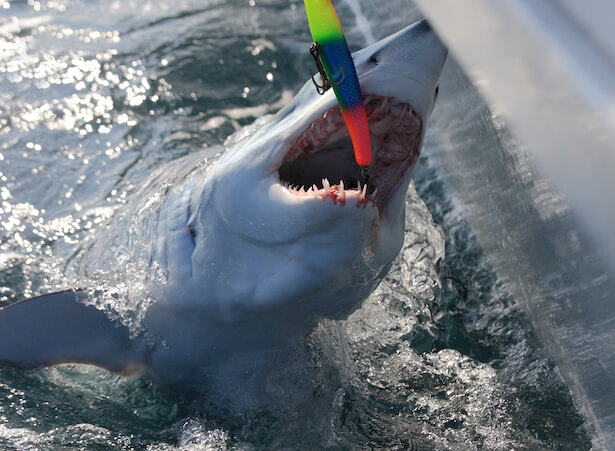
(245, 251)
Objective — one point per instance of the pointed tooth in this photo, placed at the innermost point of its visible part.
(313, 140)
(403, 113)
(325, 184)
(315, 188)
(342, 185)
(364, 192)
(385, 104)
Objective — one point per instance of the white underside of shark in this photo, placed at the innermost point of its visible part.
(240, 250)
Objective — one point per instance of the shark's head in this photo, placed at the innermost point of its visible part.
(304, 224)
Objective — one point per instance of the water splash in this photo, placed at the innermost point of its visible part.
(362, 23)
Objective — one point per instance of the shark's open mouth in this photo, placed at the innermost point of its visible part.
(321, 161)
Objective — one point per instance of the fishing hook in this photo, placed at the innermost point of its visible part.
(365, 174)
(326, 82)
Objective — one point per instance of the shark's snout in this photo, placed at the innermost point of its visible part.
(407, 65)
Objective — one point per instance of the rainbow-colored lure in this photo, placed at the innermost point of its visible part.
(331, 53)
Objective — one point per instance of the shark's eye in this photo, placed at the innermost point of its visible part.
(374, 59)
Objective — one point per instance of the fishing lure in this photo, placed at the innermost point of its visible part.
(337, 70)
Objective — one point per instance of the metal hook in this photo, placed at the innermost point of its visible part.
(365, 174)
(324, 87)
(326, 83)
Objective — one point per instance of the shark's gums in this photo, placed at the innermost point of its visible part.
(229, 257)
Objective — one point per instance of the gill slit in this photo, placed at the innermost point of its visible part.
(186, 197)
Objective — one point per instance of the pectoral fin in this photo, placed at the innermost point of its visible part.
(59, 328)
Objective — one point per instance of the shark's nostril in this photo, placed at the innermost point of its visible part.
(423, 26)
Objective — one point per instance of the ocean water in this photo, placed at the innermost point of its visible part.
(97, 94)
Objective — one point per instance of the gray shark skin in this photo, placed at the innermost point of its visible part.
(233, 254)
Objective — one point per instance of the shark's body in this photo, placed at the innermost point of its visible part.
(238, 259)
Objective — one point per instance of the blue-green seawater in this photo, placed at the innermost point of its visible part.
(96, 94)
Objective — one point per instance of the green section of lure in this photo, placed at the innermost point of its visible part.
(324, 24)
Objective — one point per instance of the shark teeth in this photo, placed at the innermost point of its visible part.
(338, 193)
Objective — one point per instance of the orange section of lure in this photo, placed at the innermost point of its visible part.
(337, 70)
(356, 122)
